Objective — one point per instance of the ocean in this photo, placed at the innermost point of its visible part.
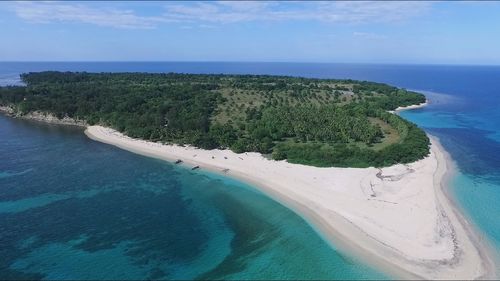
(73, 208)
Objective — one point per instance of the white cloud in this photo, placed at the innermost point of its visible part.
(47, 12)
(214, 12)
(222, 12)
(245, 6)
(378, 11)
(356, 12)
(206, 26)
(368, 35)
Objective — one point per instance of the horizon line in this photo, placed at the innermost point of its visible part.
(256, 62)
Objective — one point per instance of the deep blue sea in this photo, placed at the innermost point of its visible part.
(73, 208)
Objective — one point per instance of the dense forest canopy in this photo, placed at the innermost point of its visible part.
(321, 122)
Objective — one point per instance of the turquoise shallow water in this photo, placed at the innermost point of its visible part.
(69, 211)
(73, 208)
(473, 143)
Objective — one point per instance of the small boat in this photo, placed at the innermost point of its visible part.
(178, 161)
(195, 167)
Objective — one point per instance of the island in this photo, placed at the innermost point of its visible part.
(331, 150)
(324, 123)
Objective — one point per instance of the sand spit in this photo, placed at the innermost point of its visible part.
(397, 218)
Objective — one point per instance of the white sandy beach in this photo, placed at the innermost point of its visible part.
(410, 107)
(397, 218)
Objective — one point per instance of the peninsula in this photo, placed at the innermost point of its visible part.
(366, 179)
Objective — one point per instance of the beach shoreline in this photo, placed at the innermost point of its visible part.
(459, 252)
(410, 107)
(44, 117)
(357, 210)
(487, 252)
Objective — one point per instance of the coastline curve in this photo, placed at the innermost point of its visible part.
(407, 227)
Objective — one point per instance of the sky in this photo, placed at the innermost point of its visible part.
(448, 32)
